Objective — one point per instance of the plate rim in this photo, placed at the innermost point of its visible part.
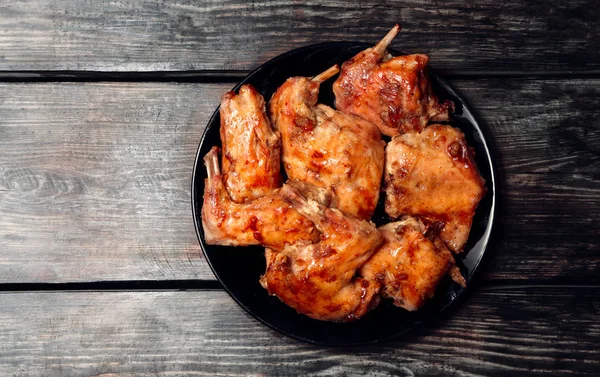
(486, 237)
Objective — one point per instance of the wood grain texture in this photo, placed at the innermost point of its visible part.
(536, 331)
(182, 35)
(94, 179)
(545, 137)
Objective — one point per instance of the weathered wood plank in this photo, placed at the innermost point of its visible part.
(545, 136)
(144, 35)
(94, 179)
(536, 331)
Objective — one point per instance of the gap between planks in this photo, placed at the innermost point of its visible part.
(233, 76)
(213, 285)
(131, 285)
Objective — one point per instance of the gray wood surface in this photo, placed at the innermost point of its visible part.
(461, 37)
(95, 185)
(510, 331)
(95, 179)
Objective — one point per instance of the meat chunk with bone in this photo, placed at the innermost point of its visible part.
(318, 279)
(394, 93)
(408, 265)
(251, 157)
(432, 175)
(269, 220)
(328, 148)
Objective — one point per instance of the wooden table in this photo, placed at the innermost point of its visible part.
(102, 105)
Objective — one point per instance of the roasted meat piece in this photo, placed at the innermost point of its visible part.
(432, 175)
(318, 279)
(408, 265)
(393, 93)
(328, 148)
(269, 220)
(251, 156)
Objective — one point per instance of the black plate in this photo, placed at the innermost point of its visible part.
(239, 268)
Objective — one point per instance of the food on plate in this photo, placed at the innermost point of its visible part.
(251, 152)
(324, 257)
(318, 279)
(392, 92)
(243, 206)
(432, 175)
(328, 148)
(409, 265)
(269, 220)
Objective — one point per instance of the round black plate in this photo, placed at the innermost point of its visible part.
(239, 268)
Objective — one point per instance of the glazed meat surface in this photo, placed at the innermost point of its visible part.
(251, 155)
(432, 175)
(328, 148)
(408, 265)
(393, 93)
(269, 220)
(318, 279)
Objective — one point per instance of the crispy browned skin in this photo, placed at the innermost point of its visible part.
(318, 279)
(269, 220)
(408, 265)
(433, 175)
(251, 148)
(393, 93)
(328, 148)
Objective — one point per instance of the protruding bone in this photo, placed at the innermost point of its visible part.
(383, 44)
(308, 208)
(324, 76)
(211, 161)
